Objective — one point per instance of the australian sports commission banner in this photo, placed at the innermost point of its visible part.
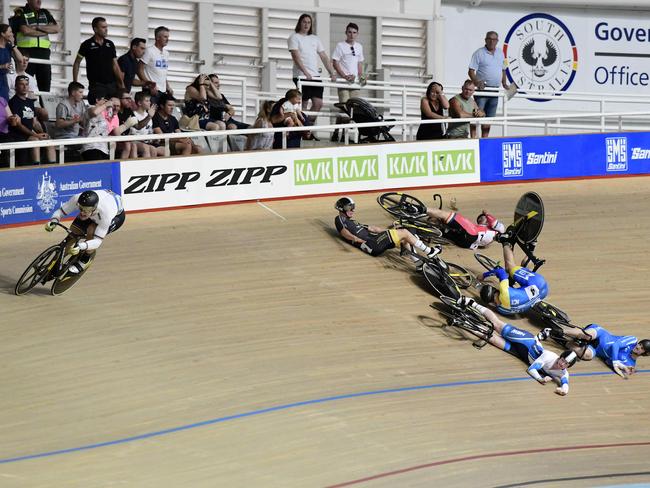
(28, 195)
(571, 156)
(275, 174)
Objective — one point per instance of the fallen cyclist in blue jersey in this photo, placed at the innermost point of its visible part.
(618, 352)
(531, 287)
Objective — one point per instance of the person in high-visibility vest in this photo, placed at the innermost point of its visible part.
(33, 28)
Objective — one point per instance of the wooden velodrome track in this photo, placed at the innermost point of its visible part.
(228, 347)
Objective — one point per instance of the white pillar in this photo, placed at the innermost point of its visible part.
(206, 37)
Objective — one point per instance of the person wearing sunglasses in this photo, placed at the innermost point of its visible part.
(100, 213)
(347, 59)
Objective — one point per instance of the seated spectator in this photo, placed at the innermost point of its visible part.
(432, 106)
(165, 123)
(126, 117)
(196, 104)
(144, 113)
(29, 128)
(263, 140)
(69, 114)
(21, 70)
(220, 107)
(100, 120)
(280, 119)
(7, 119)
(463, 106)
(7, 50)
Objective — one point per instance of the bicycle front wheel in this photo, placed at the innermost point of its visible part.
(461, 276)
(37, 271)
(401, 205)
(487, 263)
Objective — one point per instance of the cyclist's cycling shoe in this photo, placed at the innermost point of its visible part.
(435, 250)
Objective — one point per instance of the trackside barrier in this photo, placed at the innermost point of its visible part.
(28, 195)
(565, 156)
(197, 180)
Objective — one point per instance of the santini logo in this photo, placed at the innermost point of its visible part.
(547, 157)
(512, 159)
(640, 153)
(616, 153)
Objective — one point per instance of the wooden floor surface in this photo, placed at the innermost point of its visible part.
(231, 347)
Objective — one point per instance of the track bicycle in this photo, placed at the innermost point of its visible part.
(445, 278)
(53, 264)
(467, 319)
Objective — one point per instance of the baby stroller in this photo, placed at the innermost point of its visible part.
(361, 111)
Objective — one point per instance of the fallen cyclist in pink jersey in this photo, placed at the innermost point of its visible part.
(465, 233)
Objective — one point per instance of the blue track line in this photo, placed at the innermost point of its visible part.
(277, 408)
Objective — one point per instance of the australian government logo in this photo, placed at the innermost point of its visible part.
(541, 54)
(46, 194)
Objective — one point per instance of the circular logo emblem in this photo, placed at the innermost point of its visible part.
(541, 54)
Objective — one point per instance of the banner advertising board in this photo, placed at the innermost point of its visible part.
(581, 155)
(256, 175)
(28, 195)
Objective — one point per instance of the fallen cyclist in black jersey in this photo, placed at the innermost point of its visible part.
(372, 239)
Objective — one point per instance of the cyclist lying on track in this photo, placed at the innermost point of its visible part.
(544, 366)
(100, 213)
(532, 287)
(463, 232)
(372, 239)
(618, 352)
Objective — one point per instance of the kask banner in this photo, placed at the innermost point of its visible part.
(583, 155)
(28, 195)
(257, 175)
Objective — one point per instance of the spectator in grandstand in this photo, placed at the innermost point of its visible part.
(7, 50)
(129, 63)
(280, 119)
(99, 121)
(102, 70)
(305, 49)
(144, 112)
(125, 116)
(196, 104)
(432, 106)
(220, 107)
(69, 114)
(154, 64)
(487, 70)
(7, 119)
(164, 122)
(463, 106)
(29, 128)
(33, 26)
(347, 60)
(21, 69)
(263, 140)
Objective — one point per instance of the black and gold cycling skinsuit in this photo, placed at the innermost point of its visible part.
(375, 244)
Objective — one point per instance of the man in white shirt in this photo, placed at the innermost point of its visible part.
(153, 66)
(21, 67)
(305, 49)
(347, 59)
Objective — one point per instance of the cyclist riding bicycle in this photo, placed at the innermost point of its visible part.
(544, 366)
(531, 289)
(618, 352)
(463, 232)
(372, 239)
(100, 213)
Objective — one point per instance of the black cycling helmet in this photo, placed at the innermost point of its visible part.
(570, 357)
(487, 293)
(645, 344)
(88, 200)
(344, 204)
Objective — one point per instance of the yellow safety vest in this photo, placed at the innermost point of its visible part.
(32, 20)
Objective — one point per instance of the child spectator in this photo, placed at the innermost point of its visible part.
(263, 140)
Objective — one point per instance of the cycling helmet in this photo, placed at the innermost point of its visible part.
(487, 293)
(88, 201)
(570, 357)
(344, 204)
(645, 344)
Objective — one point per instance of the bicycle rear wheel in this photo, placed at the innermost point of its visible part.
(440, 281)
(461, 276)
(401, 205)
(487, 263)
(552, 314)
(66, 279)
(37, 271)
